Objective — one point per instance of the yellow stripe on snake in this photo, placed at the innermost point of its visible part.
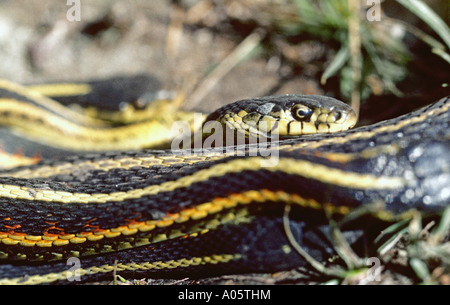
(94, 197)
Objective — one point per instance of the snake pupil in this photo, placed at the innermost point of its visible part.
(301, 113)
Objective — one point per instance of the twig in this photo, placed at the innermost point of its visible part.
(354, 40)
(225, 66)
(175, 31)
(311, 260)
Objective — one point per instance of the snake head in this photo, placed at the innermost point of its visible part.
(286, 116)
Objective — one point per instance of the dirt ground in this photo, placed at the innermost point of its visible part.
(180, 44)
(112, 38)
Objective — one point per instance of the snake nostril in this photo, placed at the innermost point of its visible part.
(334, 116)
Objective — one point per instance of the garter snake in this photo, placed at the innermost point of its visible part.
(197, 212)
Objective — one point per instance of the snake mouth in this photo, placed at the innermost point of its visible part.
(288, 127)
(350, 120)
(334, 120)
(341, 120)
(286, 116)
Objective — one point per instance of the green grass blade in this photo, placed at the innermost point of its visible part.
(444, 225)
(421, 10)
(442, 54)
(338, 62)
(421, 269)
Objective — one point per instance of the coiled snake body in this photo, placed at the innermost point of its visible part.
(218, 210)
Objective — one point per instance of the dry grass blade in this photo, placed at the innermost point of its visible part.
(233, 59)
(311, 260)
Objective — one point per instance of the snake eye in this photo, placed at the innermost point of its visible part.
(301, 112)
